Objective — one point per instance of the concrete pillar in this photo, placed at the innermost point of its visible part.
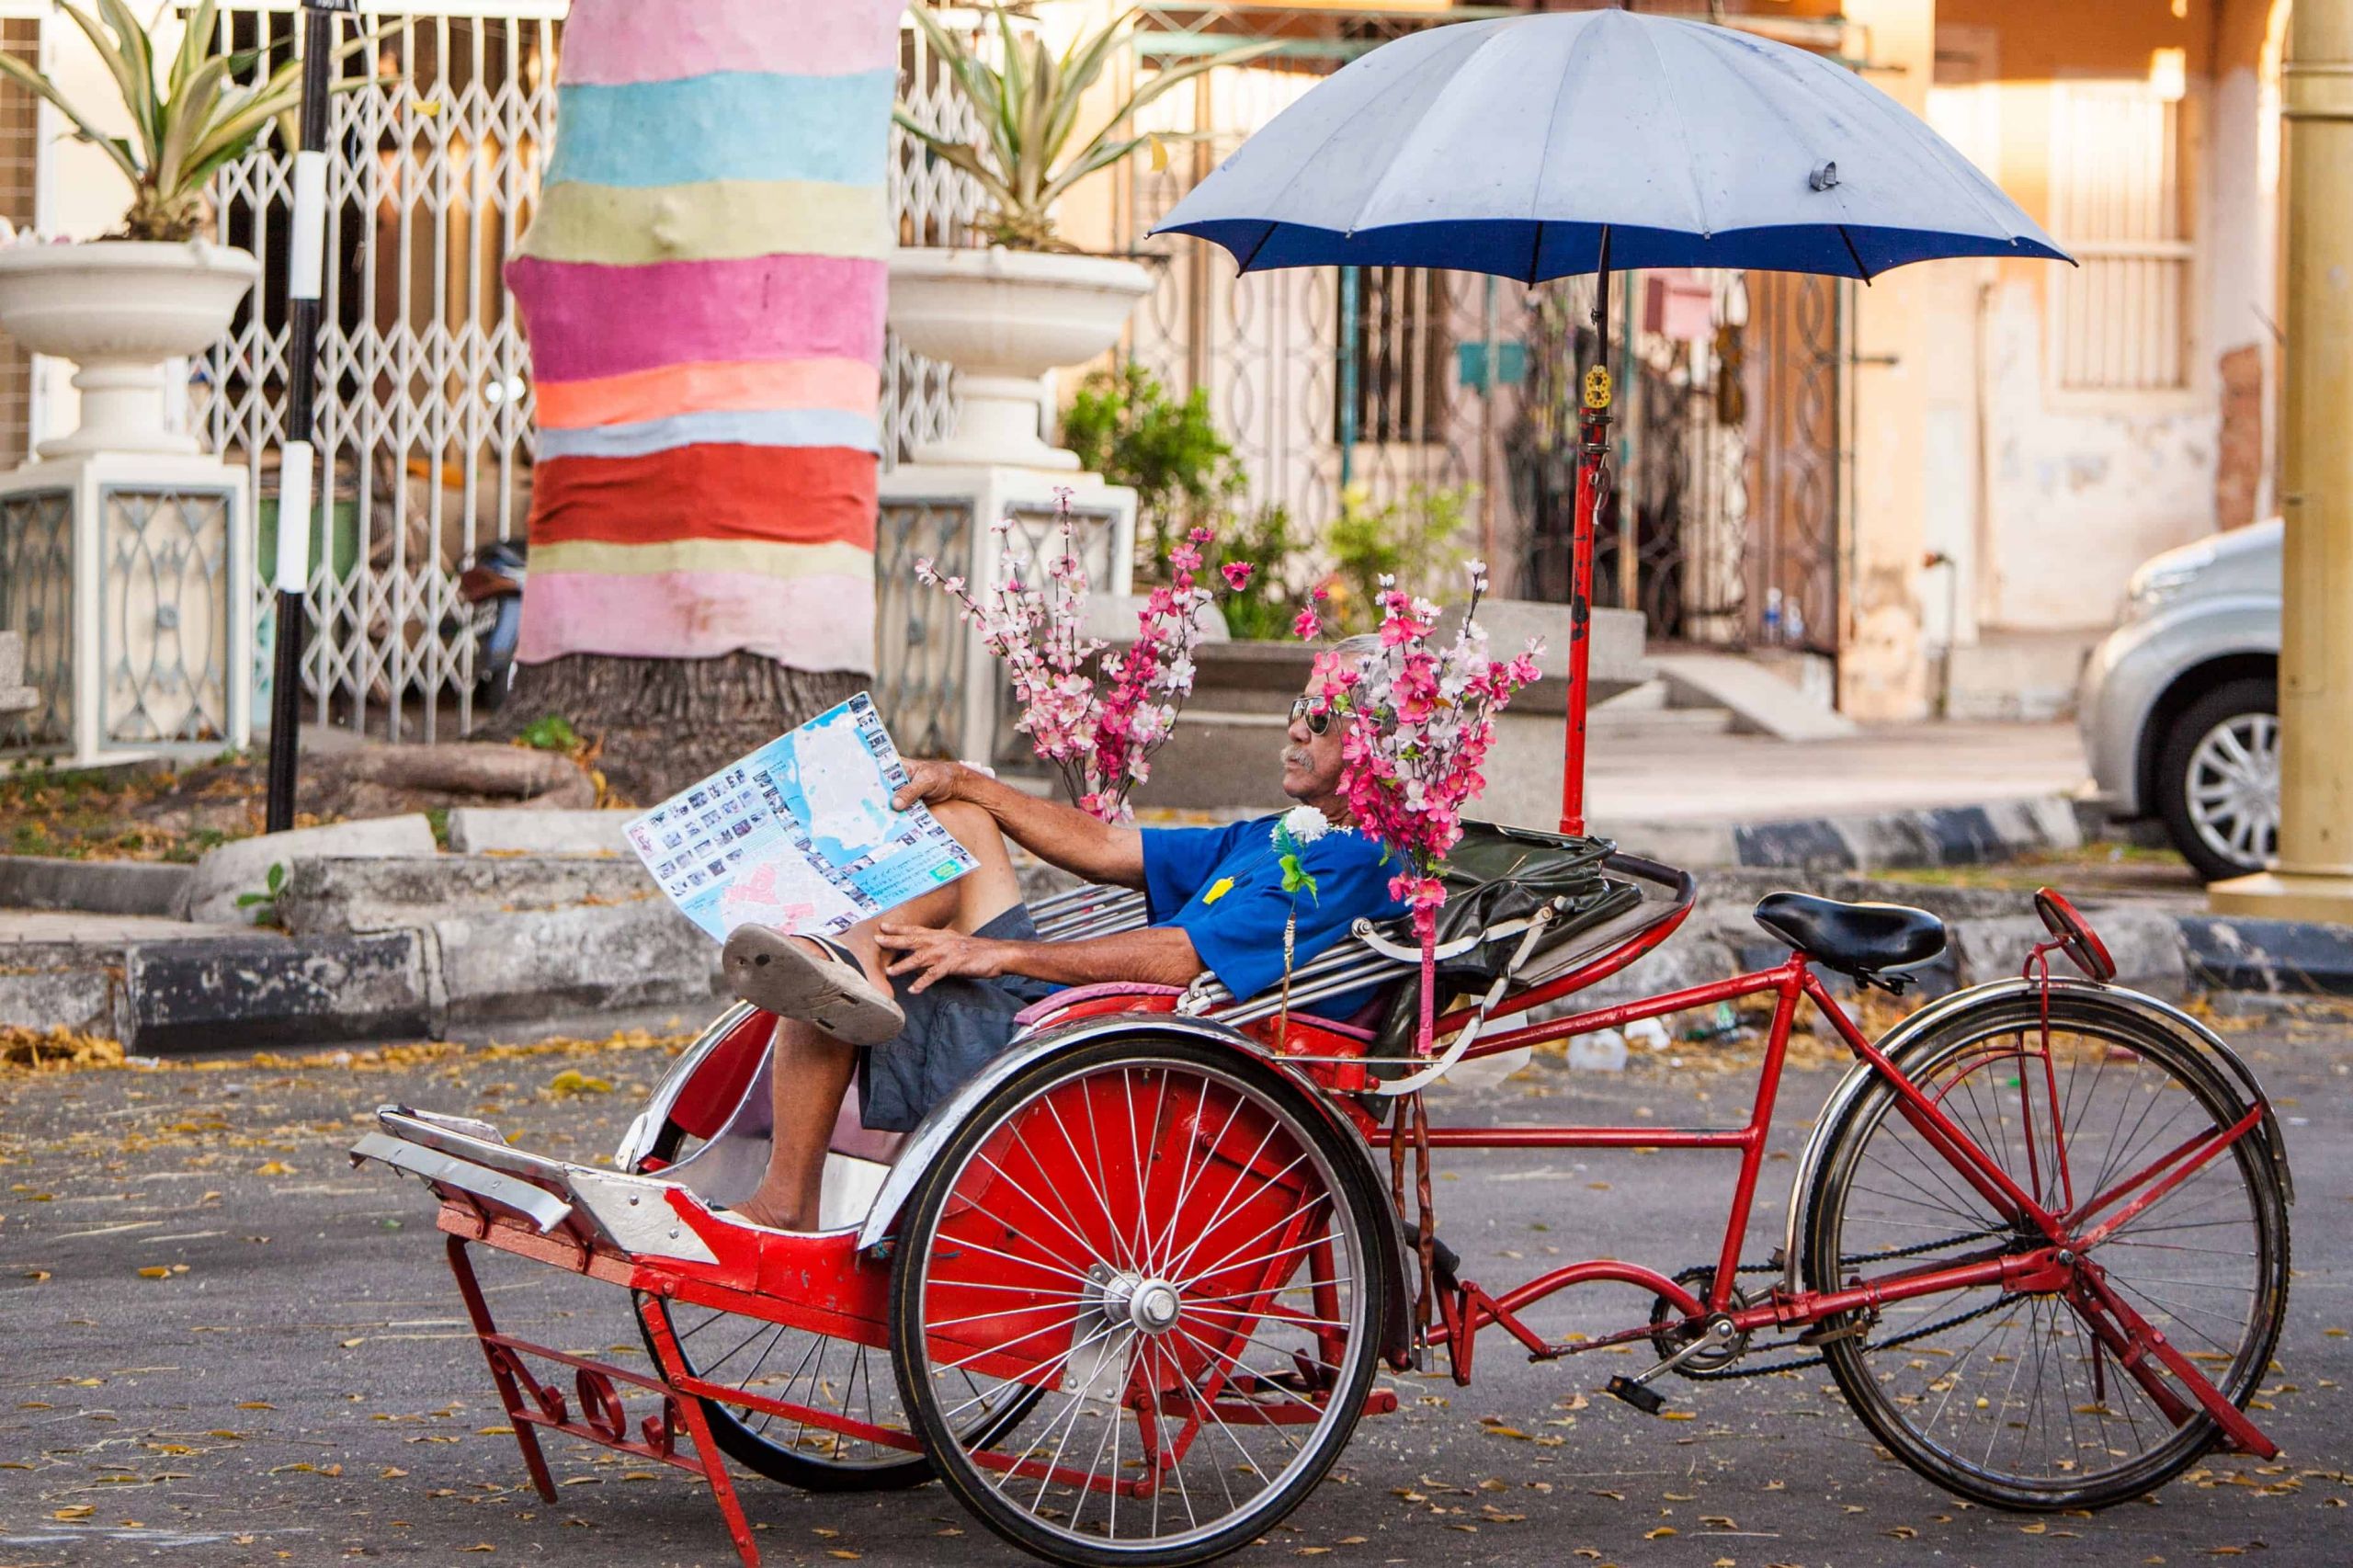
(1883, 666)
(2314, 879)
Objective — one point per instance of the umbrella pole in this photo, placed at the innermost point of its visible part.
(1593, 451)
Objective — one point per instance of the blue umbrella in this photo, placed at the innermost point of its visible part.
(1539, 146)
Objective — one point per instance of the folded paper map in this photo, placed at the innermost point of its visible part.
(800, 834)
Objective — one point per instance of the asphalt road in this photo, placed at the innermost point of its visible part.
(296, 1387)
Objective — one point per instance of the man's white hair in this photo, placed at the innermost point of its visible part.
(1363, 645)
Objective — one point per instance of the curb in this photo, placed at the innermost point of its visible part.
(203, 994)
(2284, 957)
(93, 887)
(444, 968)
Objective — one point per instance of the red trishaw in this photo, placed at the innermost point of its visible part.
(1129, 1292)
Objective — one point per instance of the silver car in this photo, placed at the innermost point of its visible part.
(2179, 706)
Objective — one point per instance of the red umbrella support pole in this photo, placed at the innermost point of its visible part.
(1593, 485)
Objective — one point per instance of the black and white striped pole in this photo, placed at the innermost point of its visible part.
(298, 463)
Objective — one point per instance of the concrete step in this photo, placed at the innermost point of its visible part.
(1760, 700)
(1656, 707)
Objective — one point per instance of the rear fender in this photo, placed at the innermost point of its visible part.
(928, 1141)
(646, 1130)
(1900, 1041)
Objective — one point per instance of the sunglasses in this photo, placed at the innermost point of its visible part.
(1317, 715)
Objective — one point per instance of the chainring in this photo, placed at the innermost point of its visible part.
(1670, 1332)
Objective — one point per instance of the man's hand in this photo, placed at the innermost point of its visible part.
(929, 954)
(930, 782)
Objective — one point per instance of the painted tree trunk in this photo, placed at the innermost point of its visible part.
(703, 286)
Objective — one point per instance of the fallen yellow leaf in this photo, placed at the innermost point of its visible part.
(78, 1511)
(155, 1274)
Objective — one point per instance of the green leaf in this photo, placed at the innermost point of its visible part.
(1028, 107)
(550, 731)
(139, 61)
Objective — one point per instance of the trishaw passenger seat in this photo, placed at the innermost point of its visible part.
(859, 1142)
(1853, 939)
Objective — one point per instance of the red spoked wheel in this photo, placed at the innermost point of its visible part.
(1184, 1255)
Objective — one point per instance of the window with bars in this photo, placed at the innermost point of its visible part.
(2122, 321)
(1398, 349)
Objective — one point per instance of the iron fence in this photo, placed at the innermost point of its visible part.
(1328, 382)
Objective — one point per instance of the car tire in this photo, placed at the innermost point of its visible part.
(2218, 778)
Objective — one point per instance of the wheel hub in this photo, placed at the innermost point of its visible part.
(1147, 1304)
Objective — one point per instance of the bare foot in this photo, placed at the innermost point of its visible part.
(757, 1210)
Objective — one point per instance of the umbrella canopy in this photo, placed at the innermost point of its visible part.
(1510, 146)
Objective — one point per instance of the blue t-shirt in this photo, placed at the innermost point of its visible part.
(1224, 888)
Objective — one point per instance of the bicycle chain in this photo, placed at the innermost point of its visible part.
(1726, 1374)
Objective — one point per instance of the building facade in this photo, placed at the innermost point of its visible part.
(1933, 487)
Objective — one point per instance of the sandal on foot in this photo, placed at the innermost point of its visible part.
(775, 973)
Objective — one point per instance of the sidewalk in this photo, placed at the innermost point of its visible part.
(1907, 795)
(1662, 776)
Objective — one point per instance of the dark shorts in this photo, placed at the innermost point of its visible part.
(953, 1029)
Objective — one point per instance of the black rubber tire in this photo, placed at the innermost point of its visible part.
(2248, 694)
(2084, 1011)
(1356, 1193)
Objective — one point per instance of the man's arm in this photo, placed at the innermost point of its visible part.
(1157, 955)
(1059, 834)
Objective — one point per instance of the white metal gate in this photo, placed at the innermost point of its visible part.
(425, 407)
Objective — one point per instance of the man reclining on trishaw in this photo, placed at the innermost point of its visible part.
(915, 1001)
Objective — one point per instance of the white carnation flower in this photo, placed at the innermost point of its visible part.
(1306, 825)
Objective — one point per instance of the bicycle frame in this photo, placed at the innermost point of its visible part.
(2065, 1234)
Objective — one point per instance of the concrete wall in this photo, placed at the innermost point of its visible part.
(2110, 478)
(1882, 673)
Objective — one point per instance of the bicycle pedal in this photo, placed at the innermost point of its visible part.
(1636, 1395)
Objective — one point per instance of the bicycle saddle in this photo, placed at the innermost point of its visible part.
(1859, 939)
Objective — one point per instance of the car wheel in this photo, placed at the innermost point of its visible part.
(2218, 780)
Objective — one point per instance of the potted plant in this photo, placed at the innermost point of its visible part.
(121, 306)
(1029, 303)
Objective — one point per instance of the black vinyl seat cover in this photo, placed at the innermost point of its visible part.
(1853, 939)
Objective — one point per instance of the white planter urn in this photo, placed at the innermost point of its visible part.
(1005, 318)
(119, 309)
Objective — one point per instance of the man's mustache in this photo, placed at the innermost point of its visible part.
(1299, 757)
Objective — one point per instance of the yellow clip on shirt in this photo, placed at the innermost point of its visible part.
(1218, 890)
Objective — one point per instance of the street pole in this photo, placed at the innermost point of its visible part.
(1593, 459)
(2313, 874)
(298, 463)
